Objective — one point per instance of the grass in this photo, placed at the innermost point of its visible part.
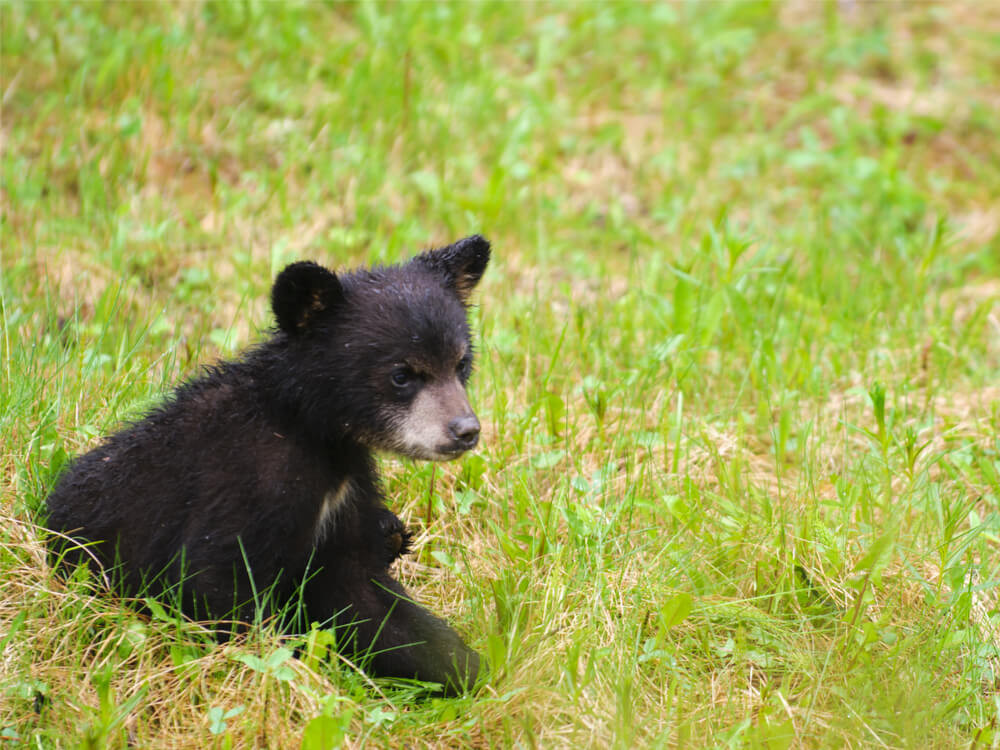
(740, 347)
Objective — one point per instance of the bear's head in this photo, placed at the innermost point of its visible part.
(382, 356)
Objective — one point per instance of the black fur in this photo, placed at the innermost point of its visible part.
(222, 488)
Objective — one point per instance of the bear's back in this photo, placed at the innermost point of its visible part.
(211, 477)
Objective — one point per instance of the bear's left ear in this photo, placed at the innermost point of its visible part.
(302, 294)
(461, 264)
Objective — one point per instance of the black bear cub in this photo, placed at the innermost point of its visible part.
(253, 490)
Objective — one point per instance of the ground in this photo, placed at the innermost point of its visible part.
(739, 369)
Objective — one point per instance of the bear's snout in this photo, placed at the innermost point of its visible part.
(465, 431)
(439, 424)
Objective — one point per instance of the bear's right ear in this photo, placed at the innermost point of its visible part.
(302, 294)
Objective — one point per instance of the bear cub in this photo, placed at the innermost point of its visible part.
(253, 491)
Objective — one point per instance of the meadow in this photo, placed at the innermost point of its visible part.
(738, 373)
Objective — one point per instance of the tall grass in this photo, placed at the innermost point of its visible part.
(739, 363)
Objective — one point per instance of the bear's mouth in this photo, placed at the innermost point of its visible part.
(452, 452)
(447, 452)
(440, 453)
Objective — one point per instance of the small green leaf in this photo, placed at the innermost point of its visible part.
(323, 733)
(254, 662)
(217, 717)
(548, 459)
(675, 610)
(444, 558)
(278, 657)
(879, 554)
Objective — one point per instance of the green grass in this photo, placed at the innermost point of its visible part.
(739, 372)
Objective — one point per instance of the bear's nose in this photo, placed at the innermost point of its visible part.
(465, 430)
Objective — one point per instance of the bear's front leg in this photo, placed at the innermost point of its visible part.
(396, 637)
(376, 620)
(385, 631)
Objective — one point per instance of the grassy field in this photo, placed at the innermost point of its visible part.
(739, 355)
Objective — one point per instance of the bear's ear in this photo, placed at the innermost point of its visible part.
(302, 294)
(461, 264)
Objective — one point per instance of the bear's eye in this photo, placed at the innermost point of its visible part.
(464, 368)
(402, 377)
